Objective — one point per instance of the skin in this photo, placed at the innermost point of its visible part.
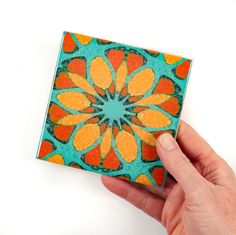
(199, 198)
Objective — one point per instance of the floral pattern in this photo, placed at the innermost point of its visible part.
(108, 105)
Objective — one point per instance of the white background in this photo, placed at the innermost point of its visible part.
(37, 197)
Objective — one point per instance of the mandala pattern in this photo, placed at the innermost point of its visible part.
(109, 104)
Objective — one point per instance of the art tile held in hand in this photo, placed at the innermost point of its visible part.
(108, 105)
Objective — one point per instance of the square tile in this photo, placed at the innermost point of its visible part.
(109, 102)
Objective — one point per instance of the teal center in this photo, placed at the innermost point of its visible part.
(114, 109)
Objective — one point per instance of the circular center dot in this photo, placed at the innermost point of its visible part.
(114, 109)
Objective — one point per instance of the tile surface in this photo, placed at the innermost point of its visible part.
(108, 104)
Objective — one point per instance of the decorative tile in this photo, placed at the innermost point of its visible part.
(108, 104)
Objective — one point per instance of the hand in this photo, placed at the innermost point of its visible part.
(201, 202)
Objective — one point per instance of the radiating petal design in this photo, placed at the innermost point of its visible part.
(86, 136)
(56, 159)
(143, 179)
(46, 147)
(74, 100)
(181, 71)
(100, 73)
(126, 145)
(55, 112)
(121, 76)
(171, 59)
(82, 83)
(158, 174)
(144, 135)
(153, 118)
(153, 99)
(74, 119)
(83, 39)
(141, 82)
(69, 44)
(106, 142)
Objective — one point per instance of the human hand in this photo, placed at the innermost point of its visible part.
(201, 202)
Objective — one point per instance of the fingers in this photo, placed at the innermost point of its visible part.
(140, 198)
(178, 164)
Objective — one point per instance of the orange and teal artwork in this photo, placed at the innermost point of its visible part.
(108, 104)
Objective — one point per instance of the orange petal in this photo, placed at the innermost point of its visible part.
(158, 174)
(171, 59)
(156, 99)
(134, 61)
(83, 39)
(100, 73)
(63, 133)
(77, 65)
(69, 44)
(56, 112)
(93, 156)
(63, 81)
(121, 76)
(56, 159)
(164, 86)
(135, 98)
(111, 162)
(86, 136)
(153, 118)
(127, 151)
(144, 135)
(182, 70)
(82, 83)
(141, 82)
(149, 153)
(46, 147)
(171, 106)
(106, 142)
(74, 100)
(143, 179)
(74, 119)
(116, 57)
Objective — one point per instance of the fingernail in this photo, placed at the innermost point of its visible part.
(167, 142)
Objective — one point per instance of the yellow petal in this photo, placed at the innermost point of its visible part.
(153, 99)
(127, 146)
(171, 59)
(121, 76)
(74, 100)
(143, 179)
(74, 119)
(82, 83)
(56, 159)
(100, 73)
(141, 82)
(106, 142)
(145, 136)
(86, 136)
(153, 118)
(83, 39)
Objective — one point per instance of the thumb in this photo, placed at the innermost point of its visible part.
(178, 165)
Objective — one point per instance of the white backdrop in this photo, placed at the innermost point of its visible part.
(37, 197)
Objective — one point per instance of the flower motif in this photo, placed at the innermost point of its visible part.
(112, 107)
